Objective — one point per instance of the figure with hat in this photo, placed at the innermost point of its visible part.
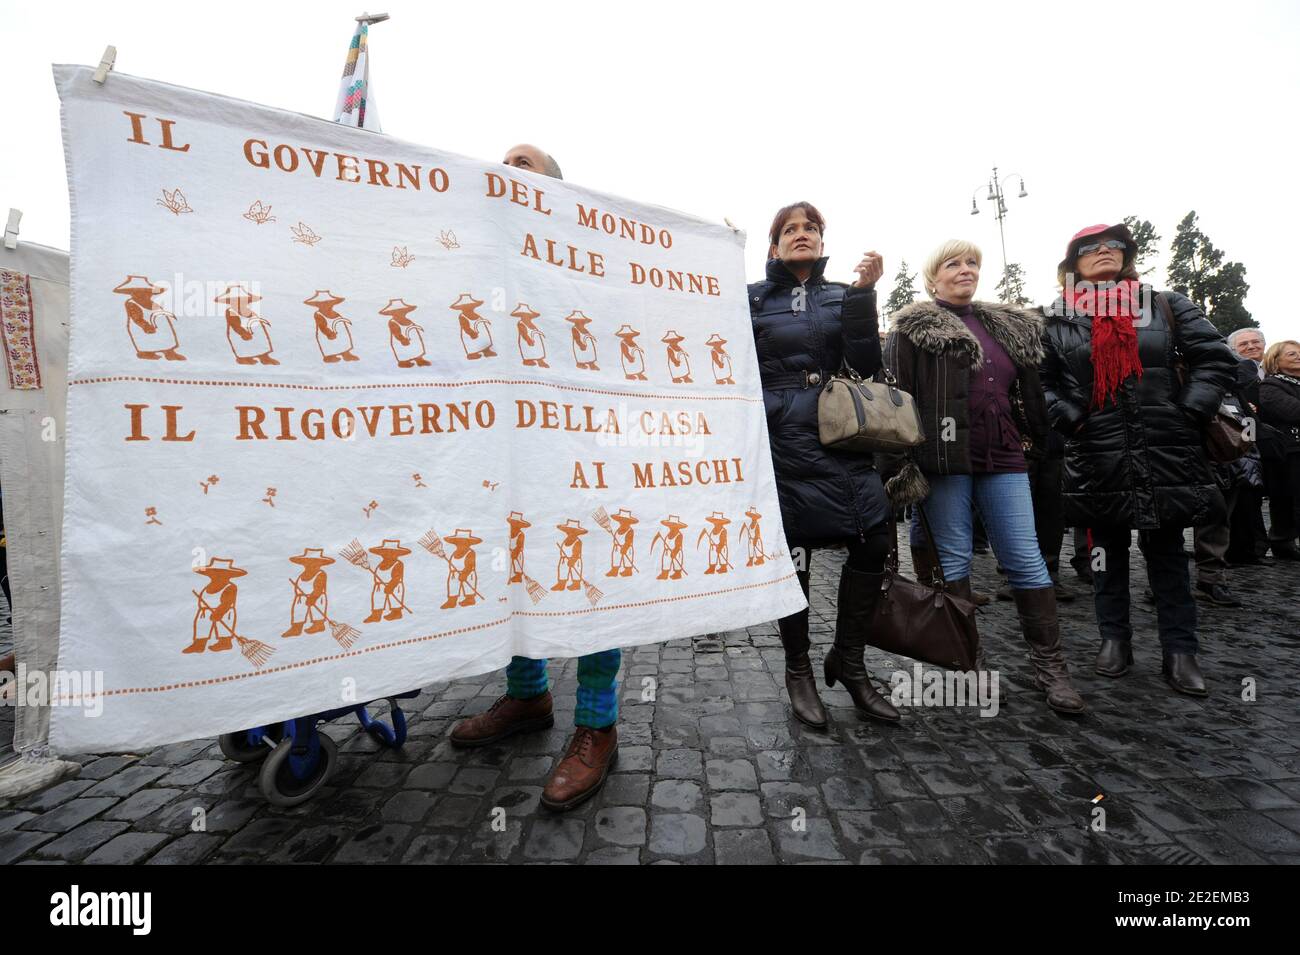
(517, 527)
(632, 354)
(568, 569)
(333, 331)
(405, 338)
(622, 553)
(721, 361)
(475, 330)
(751, 534)
(388, 587)
(531, 339)
(584, 342)
(679, 362)
(462, 569)
(672, 557)
(309, 593)
(527, 704)
(152, 329)
(216, 605)
(719, 550)
(1134, 377)
(247, 332)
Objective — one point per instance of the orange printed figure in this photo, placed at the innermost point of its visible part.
(388, 590)
(311, 603)
(333, 331)
(259, 213)
(720, 361)
(152, 514)
(152, 329)
(584, 342)
(462, 570)
(303, 233)
(247, 332)
(751, 534)
(475, 330)
(632, 354)
(532, 340)
(517, 527)
(401, 257)
(719, 550)
(679, 363)
(568, 569)
(216, 605)
(404, 336)
(174, 201)
(672, 557)
(622, 556)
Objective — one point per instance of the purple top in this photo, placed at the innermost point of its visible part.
(995, 446)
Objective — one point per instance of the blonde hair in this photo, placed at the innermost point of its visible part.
(953, 248)
(1274, 355)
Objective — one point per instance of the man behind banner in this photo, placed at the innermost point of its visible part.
(526, 706)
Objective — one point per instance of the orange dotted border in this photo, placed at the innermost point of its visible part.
(231, 678)
(410, 384)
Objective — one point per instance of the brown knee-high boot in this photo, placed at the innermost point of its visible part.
(859, 592)
(799, 680)
(1042, 630)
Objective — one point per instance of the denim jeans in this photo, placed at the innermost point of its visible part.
(1171, 584)
(597, 685)
(1007, 510)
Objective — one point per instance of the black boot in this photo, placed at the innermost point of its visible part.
(1042, 630)
(1183, 673)
(1114, 658)
(857, 599)
(799, 680)
(802, 687)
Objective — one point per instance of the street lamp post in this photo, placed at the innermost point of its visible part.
(997, 195)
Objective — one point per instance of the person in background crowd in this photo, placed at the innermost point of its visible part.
(526, 705)
(1134, 457)
(972, 368)
(1281, 535)
(804, 326)
(1248, 536)
(1240, 481)
(1279, 408)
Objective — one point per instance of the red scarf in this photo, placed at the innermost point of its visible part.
(1114, 339)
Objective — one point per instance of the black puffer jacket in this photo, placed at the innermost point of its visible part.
(1139, 461)
(931, 352)
(1279, 410)
(827, 497)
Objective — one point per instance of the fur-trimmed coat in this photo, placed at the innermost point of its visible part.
(931, 352)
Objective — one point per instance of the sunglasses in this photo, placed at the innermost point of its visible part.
(1092, 247)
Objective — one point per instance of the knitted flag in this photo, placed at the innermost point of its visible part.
(356, 106)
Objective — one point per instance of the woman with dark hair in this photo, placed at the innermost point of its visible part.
(804, 327)
(972, 367)
(1133, 422)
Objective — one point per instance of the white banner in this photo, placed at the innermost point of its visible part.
(349, 415)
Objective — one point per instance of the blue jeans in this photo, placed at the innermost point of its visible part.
(1007, 510)
(597, 686)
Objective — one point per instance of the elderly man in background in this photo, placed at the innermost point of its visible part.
(526, 705)
(1248, 344)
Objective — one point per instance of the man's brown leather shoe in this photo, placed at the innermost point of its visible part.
(583, 769)
(506, 717)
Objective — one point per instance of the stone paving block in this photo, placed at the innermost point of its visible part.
(743, 847)
(735, 809)
(677, 834)
(75, 845)
(555, 839)
(127, 849)
(373, 844)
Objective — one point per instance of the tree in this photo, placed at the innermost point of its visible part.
(1198, 271)
(1146, 237)
(1012, 287)
(904, 292)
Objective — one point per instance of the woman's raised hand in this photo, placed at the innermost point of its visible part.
(869, 270)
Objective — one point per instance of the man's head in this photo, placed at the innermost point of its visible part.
(1248, 343)
(533, 159)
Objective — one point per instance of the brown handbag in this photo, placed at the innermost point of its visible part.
(857, 414)
(1225, 435)
(922, 620)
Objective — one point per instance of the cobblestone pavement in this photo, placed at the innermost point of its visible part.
(715, 769)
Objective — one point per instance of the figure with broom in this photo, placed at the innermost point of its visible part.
(622, 557)
(388, 579)
(716, 535)
(309, 612)
(217, 605)
(527, 705)
(751, 535)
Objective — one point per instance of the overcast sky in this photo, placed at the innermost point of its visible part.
(887, 118)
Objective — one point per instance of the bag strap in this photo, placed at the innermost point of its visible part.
(892, 560)
(929, 543)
